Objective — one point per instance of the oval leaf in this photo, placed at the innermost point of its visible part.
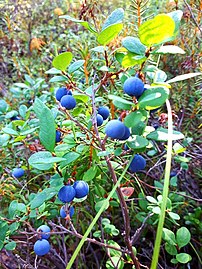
(133, 44)
(157, 30)
(109, 33)
(183, 237)
(62, 60)
(37, 160)
(115, 17)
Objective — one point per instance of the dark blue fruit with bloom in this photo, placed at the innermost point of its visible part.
(45, 231)
(41, 247)
(104, 112)
(68, 102)
(126, 134)
(156, 125)
(115, 129)
(66, 194)
(133, 86)
(81, 188)
(60, 93)
(63, 213)
(58, 136)
(138, 163)
(99, 120)
(18, 172)
(173, 173)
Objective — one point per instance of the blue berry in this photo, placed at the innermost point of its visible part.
(15, 118)
(69, 92)
(104, 112)
(45, 231)
(126, 134)
(81, 188)
(173, 173)
(41, 247)
(68, 102)
(66, 194)
(156, 125)
(133, 86)
(63, 213)
(18, 172)
(115, 129)
(99, 120)
(60, 93)
(138, 163)
(58, 136)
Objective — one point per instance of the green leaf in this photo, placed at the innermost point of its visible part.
(176, 16)
(100, 203)
(151, 199)
(133, 118)
(37, 160)
(134, 45)
(85, 24)
(115, 261)
(53, 71)
(131, 59)
(170, 249)
(183, 237)
(3, 106)
(109, 33)
(10, 246)
(153, 98)
(183, 77)
(160, 76)
(82, 97)
(21, 207)
(161, 134)
(121, 105)
(3, 228)
(70, 157)
(170, 49)
(38, 200)
(169, 236)
(156, 30)
(10, 131)
(22, 85)
(75, 66)
(47, 130)
(115, 17)
(62, 60)
(114, 252)
(138, 142)
(174, 216)
(13, 208)
(22, 111)
(139, 128)
(4, 139)
(119, 99)
(183, 257)
(90, 173)
(58, 79)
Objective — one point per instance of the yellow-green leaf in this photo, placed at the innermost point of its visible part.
(157, 30)
(109, 33)
(62, 60)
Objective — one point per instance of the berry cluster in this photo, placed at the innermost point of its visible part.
(103, 114)
(64, 96)
(67, 194)
(42, 246)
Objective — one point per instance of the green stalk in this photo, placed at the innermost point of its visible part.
(104, 206)
(165, 190)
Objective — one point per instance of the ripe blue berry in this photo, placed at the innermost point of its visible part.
(58, 136)
(81, 188)
(66, 194)
(173, 173)
(115, 129)
(133, 86)
(63, 213)
(68, 102)
(60, 93)
(45, 231)
(18, 172)
(156, 125)
(126, 134)
(99, 120)
(138, 163)
(104, 112)
(41, 247)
